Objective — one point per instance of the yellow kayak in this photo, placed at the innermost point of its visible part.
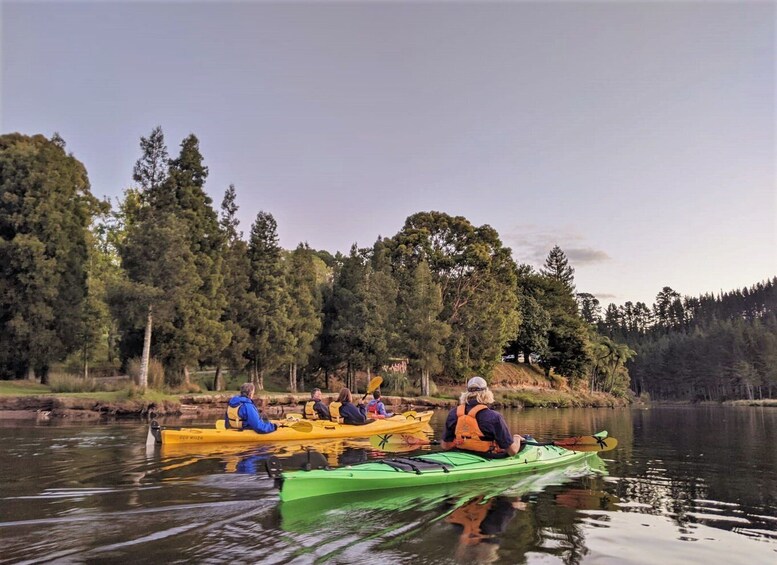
(289, 430)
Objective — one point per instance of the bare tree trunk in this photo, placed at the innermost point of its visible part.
(424, 382)
(143, 378)
(186, 377)
(217, 384)
(260, 384)
(86, 359)
(293, 377)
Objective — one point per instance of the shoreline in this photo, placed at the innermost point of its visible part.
(72, 406)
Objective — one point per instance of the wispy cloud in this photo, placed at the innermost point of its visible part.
(586, 255)
(532, 243)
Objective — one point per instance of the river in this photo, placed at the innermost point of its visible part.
(685, 485)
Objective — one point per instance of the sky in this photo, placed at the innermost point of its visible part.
(639, 137)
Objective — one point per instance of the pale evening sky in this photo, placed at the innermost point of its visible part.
(640, 137)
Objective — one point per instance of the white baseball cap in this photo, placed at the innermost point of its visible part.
(476, 384)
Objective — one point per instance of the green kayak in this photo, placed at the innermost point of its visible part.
(430, 469)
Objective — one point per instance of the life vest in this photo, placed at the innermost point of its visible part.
(234, 420)
(310, 410)
(334, 412)
(468, 434)
(372, 410)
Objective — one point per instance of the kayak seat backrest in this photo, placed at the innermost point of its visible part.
(334, 412)
(416, 465)
(310, 411)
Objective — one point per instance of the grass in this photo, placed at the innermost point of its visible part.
(22, 388)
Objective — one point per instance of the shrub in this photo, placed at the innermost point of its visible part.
(63, 382)
(156, 372)
(395, 383)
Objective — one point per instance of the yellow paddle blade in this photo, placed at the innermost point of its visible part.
(374, 384)
(220, 425)
(411, 415)
(301, 426)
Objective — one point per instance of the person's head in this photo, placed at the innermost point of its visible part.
(477, 390)
(247, 390)
(376, 394)
(345, 395)
(315, 394)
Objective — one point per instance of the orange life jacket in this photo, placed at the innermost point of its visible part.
(468, 434)
(470, 517)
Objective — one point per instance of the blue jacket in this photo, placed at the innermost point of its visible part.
(248, 413)
(352, 414)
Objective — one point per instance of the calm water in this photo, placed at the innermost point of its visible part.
(685, 485)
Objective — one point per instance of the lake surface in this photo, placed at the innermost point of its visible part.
(685, 485)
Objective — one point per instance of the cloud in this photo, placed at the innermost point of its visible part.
(586, 256)
(531, 244)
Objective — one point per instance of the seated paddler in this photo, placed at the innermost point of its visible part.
(473, 426)
(344, 411)
(315, 408)
(243, 415)
(376, 408)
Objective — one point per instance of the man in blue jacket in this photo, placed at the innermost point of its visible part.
(243, 415)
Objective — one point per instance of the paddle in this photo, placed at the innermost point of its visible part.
(373, 386)
(411, 415)
(403, 441)
(300, 426)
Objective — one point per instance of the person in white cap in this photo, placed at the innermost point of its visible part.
(473, 426)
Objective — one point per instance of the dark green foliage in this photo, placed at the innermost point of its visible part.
(422, 331)
(477, 277)
(590, 310)
(705, 348)
(349, 314)
(557, 267)
(305, 309)
(45, 210)
(269, 303)
(236, 288)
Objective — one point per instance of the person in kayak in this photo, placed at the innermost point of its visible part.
(315, 408)
(243, 415)
(473, 426)
(343, 410)
(376, 408)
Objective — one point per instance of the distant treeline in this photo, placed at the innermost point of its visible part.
(161, 278)
(705, 348)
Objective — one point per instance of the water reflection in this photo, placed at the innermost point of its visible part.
(686, 484)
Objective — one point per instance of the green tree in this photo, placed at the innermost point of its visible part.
(269, 324)
(236, 288)
(305, 309)
(422, 331)
(590, 310)
(532, 338)
(349, 314)
(380, 294)
(557, 267)
(45, 210)
(199, 334)
(477, 277)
